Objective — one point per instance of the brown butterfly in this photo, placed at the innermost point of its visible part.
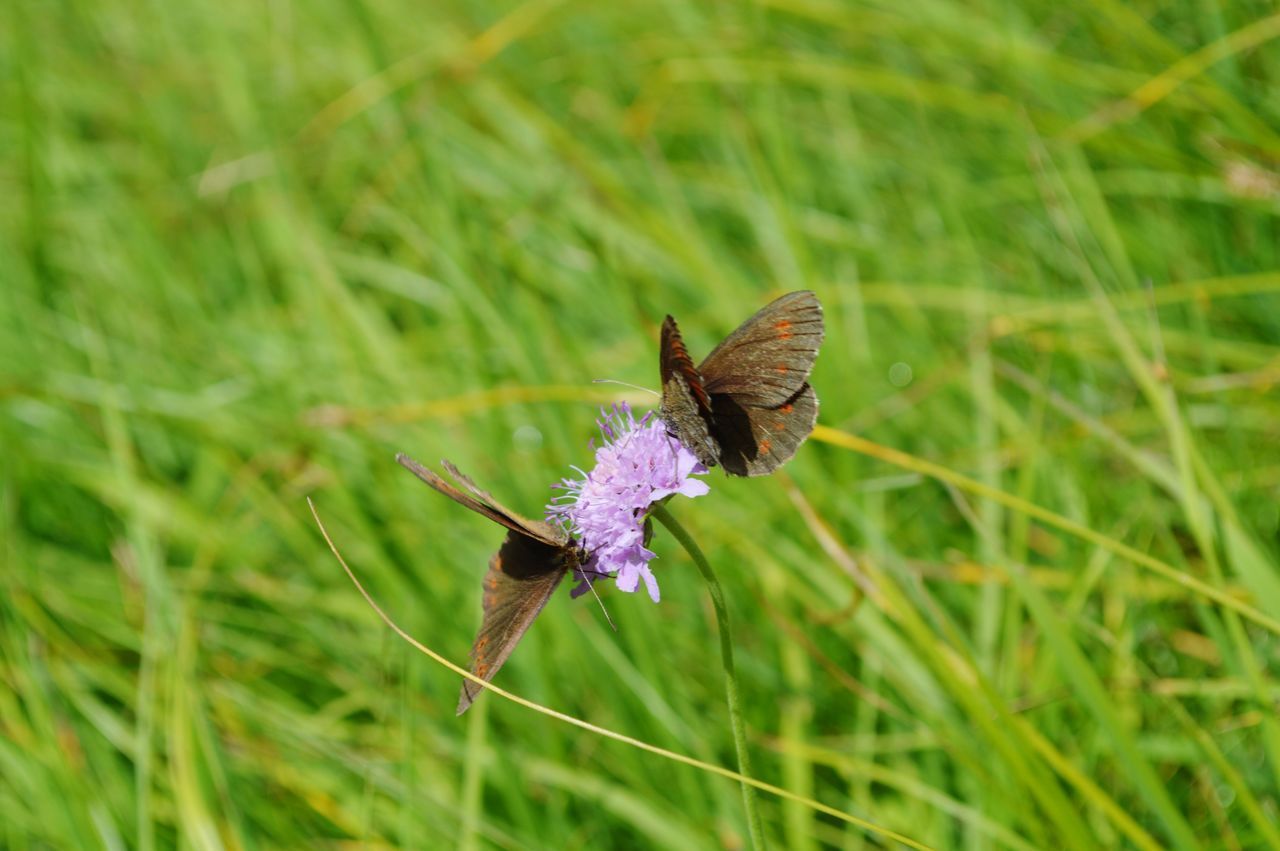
(748, 406)
(522, 574)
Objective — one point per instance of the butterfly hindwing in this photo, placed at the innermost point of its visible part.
(686, 420)
(756, 441)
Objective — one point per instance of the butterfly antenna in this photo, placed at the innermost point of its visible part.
(625, 384)
(591, 586)
(673, 443)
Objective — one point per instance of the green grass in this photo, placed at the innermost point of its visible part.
(249, 251)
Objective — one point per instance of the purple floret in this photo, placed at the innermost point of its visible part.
(638, 465)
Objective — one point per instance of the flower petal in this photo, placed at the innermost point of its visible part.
(694, 487)
(637, 465)
(629, 578)
(651, 583)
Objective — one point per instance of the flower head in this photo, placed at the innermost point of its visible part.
(638, 465)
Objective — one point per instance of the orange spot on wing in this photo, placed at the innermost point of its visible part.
(482, 669)
(764, 447)
(783, 327)
(781, 370)
(786, 409)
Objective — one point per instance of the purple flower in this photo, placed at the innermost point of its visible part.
(638, 465)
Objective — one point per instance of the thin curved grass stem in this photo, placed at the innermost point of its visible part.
(596, 729)
(749, 798)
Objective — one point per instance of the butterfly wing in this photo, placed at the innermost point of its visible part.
(521, 578)
(481, 502)
(544, 532)
(768, 358)
(533, 559)
(756, 441)
(686, 405)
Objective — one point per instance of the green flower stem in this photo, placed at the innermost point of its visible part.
(749, 798)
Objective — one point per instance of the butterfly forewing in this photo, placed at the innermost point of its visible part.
(533, 559)
(521, 578)
(686, 406)
(544, 532)
(481, 502)
(767, 359)
(673, 359)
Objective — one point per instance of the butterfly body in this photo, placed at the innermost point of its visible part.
(524, 572)
(748, 406)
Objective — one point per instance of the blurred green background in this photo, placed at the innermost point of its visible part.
(250, 250)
